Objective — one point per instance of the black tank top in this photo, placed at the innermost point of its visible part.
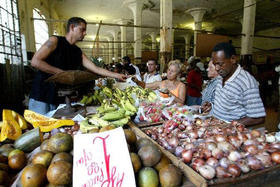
(65, 57)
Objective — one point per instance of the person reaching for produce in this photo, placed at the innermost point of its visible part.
(59, 54)
(170, 87)
(237, 94)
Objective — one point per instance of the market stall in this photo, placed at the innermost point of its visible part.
(167, 144)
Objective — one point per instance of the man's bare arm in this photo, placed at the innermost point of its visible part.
(247, 121)
(100, 71)
(38, 60)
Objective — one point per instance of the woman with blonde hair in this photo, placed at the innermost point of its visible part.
(172, 86)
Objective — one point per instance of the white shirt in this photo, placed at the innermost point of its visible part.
(148, 78)
(138, 74)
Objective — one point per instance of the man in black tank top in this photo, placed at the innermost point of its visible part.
(60, 54)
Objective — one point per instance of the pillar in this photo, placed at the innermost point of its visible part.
(248, 29)
(123, 37)
(153, 37)
(136, 7)
(187, 45)
(116, 44)
(197, 14)
(110, 49)
(165, 33)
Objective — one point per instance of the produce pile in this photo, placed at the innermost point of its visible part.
(150, 166)
(116, 108)
(150, 112)
(217, 149)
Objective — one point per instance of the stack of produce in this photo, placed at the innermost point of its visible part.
(217, 149)
(52, 164)
(151, 112)
(150, 166)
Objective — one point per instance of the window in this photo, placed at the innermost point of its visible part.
(40, 28)
(10, 40)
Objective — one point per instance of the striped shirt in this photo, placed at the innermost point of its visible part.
(208, 93)
(238, 98)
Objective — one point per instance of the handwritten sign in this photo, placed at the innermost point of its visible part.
(102, 159)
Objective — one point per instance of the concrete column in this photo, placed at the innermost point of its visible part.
(123, 37)
(136, 7)
(153, 36)
(165, 33)
(248, 27)
(116, 45)
(187, 45)
(197, 14)
(110, 49)
(172, 44)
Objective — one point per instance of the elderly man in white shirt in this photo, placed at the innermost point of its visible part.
(152, 75)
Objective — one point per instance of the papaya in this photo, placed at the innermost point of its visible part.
(21, 121)
(33, 175)
(130, 136)
(60, 142)
(60, 173)
(29, 140)
(6, 149)
(46, 124)
(10, 128)
(4, 167)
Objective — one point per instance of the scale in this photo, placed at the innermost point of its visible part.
(68, 84)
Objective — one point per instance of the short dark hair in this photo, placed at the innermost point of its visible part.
(228, 49)
(126, 59)
(75, 21)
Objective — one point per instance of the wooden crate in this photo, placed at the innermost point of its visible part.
(265, 177)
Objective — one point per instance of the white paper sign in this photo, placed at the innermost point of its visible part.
(102, 159)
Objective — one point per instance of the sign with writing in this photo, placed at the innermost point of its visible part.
(102, 159)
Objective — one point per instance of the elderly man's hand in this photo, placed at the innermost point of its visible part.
(206, 107)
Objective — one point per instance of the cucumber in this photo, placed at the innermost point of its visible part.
(28, 141)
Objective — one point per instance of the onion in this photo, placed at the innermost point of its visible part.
(222, 172)
(193, 134)
(225, 146)
(242, 137)
(224, 162)
(254, 163)
(261, 139)
(234, 170)
(210, 139)
(234, 141)
(189, 146)
(187, 155)
(211, 145)
(207, 171)
(217, 153)
(234, 156)
(178, 151)
(270, 138)
(200, 132)
(196, 163)
(206, 153)
(252, 149)
(182, 127)
(251, 142)
(212, 162)
(189, 128)
(275, 145)
(265, 159)
(160, 130)
(220, 138)
(240, 127)
(182, 135)
(255, 133)
(173, 142)
(276, 157)
(243, 166)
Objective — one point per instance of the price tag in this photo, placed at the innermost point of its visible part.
(102, 159)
